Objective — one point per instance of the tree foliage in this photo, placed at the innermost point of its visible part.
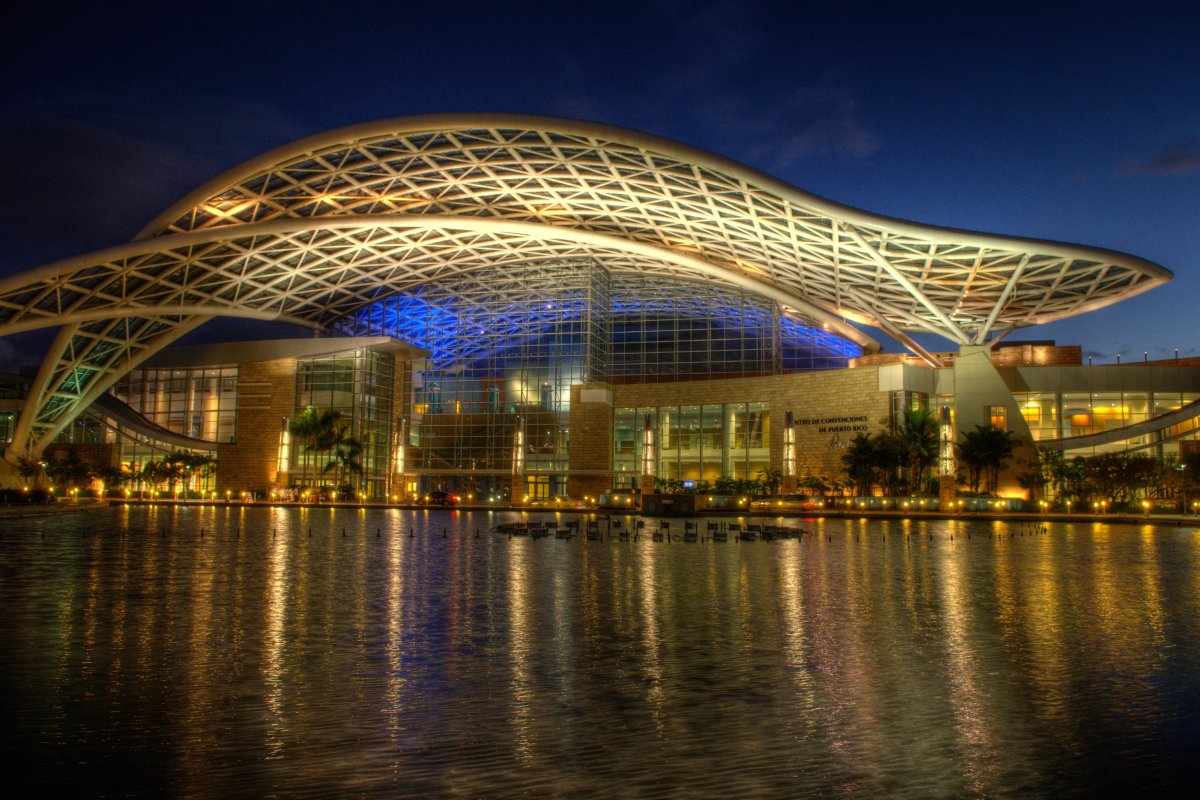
(984, 452)
(918, 440)
(327, 432)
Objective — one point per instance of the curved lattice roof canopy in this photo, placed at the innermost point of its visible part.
(320, 229)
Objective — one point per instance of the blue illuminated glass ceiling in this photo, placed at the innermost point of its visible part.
(627, 325)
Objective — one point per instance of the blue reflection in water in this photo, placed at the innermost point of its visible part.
(247, 651)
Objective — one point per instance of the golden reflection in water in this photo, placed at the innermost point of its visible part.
(1127, 617)
(91, 605)
(1104, 597)
(914, 545)
(394, 690)
(974, 737)
(151, 569)
(795, 634)
(1030, 612)
(200, 674)
(1151, 591)
(119, 585)
(623, 617)
(278, 579)
(564, 640)
(651, 638)
(521, 650)
(589, 597)
(847, 707)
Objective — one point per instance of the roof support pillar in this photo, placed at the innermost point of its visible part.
(981, 335)
(951, 329)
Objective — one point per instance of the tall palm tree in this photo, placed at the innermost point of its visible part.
(859, 460)
(984, 451)
(319, 431)
(345, 456)
(889, 455)
(918, 436)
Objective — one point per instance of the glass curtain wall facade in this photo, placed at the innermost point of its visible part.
(1061, 415)
(358, 384)
(505, 348)
(661, 333)
(694, 442)
(200, 403)
(503, 355)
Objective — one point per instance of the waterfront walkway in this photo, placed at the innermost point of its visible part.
(1125, 518)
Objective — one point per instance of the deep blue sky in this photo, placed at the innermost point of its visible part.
(1078, 123)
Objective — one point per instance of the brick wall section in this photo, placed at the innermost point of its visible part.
(591, 426)
(883, 359)
(811, 396)
(1038, 355)
(1014, 355)
(266, 394)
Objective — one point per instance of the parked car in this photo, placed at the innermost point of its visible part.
(621, 499)
(785, 502)
(438, 498)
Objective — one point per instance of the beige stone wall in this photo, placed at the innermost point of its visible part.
(266, 394)
(591, 440)
(1028, 354)
(830, 408)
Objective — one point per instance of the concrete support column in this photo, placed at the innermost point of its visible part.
(979, 385)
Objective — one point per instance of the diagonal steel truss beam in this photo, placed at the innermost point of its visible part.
(315, 270)
(84, 361)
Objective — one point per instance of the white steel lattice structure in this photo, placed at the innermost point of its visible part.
(318, 230)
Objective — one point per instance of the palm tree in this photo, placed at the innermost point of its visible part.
(984, 451)
(889, 456)
(320, 432)
(817, 484)
(918, 437)
(345, 456)
(972, 455)
(771, 479)
(859, 460)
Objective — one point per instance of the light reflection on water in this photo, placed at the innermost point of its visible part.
(234, 651)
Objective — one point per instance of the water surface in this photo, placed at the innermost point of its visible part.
(287, 652)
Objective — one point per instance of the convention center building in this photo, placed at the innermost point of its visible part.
(523, 308)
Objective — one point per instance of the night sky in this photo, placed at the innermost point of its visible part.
(1072, 125)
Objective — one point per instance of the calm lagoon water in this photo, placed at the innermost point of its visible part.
(284, 652)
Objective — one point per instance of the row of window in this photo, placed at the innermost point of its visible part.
(693, 442)
(200, 403)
